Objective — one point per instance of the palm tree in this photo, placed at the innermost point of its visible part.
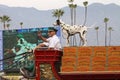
(96, 28)
(71, 1)
(110, 30)
(85, 5)
(73, 19)
(74, 6)
(21, 24)
(71, 6)
(58, 13)
(4, 19)
(106, 21)
(8, 25)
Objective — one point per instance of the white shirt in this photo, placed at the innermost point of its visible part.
(54, 42)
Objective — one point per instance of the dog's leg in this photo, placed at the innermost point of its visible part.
(84, 41)
(68, 41)
(67, 37)
(84, 38)
(81, 38)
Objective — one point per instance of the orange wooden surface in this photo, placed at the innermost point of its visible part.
(67, 68)
(98, 68)
(83, 68)
(70, 50)
(96, 58)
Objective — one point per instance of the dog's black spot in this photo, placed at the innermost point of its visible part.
(84, 32)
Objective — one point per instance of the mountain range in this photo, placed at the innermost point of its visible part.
(33, 18)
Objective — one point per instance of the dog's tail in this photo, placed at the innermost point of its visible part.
(92, 26)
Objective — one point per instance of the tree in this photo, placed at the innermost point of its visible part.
(85, 5)
(71, 6)
(71, 1)
(74, 6)
(21, 24)
(97, 28)
(4, 19)
(58, 13)
(106, 21)
(72, 11)
(110, 30)
(8, 25)
(73, 15)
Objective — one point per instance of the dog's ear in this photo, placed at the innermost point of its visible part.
(58, 22)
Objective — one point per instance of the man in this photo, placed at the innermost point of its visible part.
(52, 42)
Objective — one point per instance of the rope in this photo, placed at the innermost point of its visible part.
(15, 56)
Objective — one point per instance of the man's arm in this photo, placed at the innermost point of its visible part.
(50, 48)
(41, 37)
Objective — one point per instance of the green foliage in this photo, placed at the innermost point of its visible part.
(5, 19)
(85, 3)
(110, 29)
(106, 19)
(96, 28)
(58, 13)
(71, 1)
(21, 23)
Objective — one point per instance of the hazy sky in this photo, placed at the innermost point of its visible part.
(50, 4)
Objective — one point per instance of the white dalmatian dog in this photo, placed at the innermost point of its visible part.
(72, 30)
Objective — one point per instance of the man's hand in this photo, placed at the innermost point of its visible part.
(39, 33)
(41, 37)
